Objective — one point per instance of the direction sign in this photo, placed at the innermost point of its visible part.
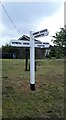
(19, 43)
(41, 33)
(32, 44)
(24, 43)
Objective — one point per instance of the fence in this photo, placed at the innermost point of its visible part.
(8, 56)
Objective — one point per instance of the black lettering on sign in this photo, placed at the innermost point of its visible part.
(46, 43)
(39, 35)
(25, 43)
(16, 42)
(43, 30)
(40, 45)
(42, 34)
(35, 33)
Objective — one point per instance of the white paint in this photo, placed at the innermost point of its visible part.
(25, 43)
(20, 43)
(41, 33)
(32, 59)
(32, 44)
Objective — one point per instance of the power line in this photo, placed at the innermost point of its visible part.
(10, 18)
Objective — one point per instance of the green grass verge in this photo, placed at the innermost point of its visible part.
(47, 101)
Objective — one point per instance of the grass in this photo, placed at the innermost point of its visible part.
(47, 101)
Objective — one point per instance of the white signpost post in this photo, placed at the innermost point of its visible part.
(32, 62)
(32, 55)
(32, 44)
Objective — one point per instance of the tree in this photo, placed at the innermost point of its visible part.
(60, 41)
(8, 51)
(60, 37)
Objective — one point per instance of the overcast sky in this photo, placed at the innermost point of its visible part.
(30, 16)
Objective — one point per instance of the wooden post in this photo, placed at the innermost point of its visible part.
(26, 63)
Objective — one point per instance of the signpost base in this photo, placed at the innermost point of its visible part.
(32, 87)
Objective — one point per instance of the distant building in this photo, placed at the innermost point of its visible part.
(38, 50)
(20, 52)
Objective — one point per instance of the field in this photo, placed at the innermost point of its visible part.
(47, 101)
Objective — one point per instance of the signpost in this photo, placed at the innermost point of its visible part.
(25, 43)
(32, 54)
(32, 62)
(32, 44)
(41, 33)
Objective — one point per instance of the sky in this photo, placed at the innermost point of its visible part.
(29, 16)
